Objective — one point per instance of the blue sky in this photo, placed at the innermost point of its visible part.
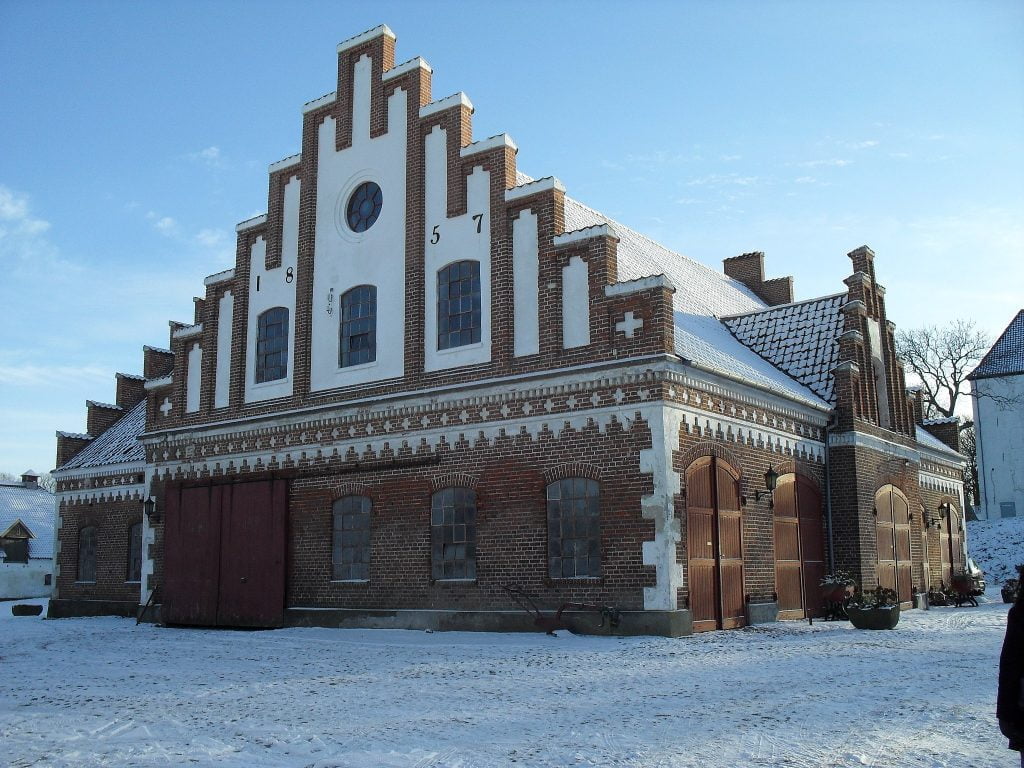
(134, 136)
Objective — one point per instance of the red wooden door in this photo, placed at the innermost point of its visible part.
(956, 540)
(700, 539)
(901, 527)
(191, 556)
(730, 545)
(714, 532)
(892, 530)
(946, 572)
(252, 565)
(799, 547)
(224, 561)
(812, 544)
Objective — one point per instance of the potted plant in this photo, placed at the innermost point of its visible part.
(874, 609)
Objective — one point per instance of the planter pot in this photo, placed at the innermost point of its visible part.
(26, 610)
(873, 618)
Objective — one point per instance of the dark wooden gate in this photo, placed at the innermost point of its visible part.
(714, 534)
(224, 554)
(955, 541)
(892, 531)
(799, 547)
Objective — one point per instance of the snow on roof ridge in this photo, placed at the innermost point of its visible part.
(416, 62)
(498, 140)
(285, 162)
(362, 37)
(456, 99)
(161, 350)
(319, 101)
(790, 305)
(75, 435)
(941, 420)
(98, 404)
(134, 376)
(255, 221)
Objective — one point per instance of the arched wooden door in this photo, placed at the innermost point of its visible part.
(799, 547)
(714, 537)
(892, 530)
(956, 538)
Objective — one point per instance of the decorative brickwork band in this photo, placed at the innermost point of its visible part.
(707, 448)
(454, 480)
(575, 469)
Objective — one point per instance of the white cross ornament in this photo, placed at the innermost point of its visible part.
(629, 325)
(165, 409)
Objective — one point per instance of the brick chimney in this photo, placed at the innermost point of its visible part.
(748, 268)
(916, 397)
(946, 430)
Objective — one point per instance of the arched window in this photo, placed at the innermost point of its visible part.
(272, 345)
(87, 554)
(351, 545)
(358, 326)
(574, 528)
(453, 534)
(134, 572)
(458, 304)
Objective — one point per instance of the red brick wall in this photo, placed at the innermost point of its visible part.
(112, 520)
(509, 480)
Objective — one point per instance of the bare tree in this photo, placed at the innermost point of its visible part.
(941, 358)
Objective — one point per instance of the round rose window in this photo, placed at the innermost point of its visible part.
(364, 206)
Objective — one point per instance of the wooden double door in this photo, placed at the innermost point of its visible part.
(714, 538)
(799, 547)
(224, 554)
(951, 543)
(892, 531)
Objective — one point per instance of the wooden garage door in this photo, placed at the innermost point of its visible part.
(224, 561)
(892, 530)
(714, 533)
(799, 547)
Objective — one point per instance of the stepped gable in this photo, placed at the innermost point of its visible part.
(801, 339)
(119, 444)
(702, 296)
(1006, 358)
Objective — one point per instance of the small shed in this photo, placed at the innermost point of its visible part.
(27, 514)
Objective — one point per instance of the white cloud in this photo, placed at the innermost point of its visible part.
(211, 238)
(722, 180)
(30, 374)
(805, 180)
(15, 215)
(862, 144)
(836, 162)
(165, 225)
(731, 158)
(211, 157)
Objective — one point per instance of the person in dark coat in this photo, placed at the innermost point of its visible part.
(1010, 703)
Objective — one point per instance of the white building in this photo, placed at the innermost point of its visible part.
(998, 398)
(27, 514)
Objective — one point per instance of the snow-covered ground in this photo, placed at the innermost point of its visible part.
(101, 691)
(997, 546)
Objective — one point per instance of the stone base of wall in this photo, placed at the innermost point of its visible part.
(66, 609)
(762, 613)
(664, 623)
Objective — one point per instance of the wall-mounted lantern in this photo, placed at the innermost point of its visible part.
(152, 512)
(771, 480)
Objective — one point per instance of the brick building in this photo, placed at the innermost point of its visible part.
(429, 378)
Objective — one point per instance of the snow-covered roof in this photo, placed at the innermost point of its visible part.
(702, 296)
(927, 440)
(1006, 358)
(801, 338)
(36, 509)
(119, 444)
